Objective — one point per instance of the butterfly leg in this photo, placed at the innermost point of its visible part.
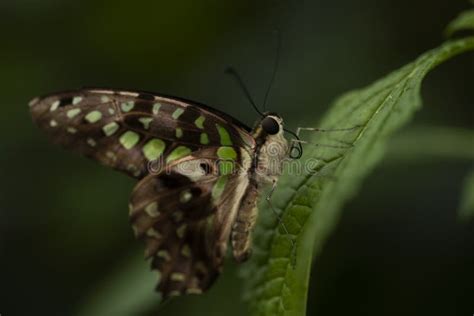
(296, 141)
(325, 130)
(245, 221)
(268, 198)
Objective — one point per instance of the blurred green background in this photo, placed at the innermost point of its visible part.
(64, 232)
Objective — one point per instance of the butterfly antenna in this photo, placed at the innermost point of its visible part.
(275, 68)
(232, 72)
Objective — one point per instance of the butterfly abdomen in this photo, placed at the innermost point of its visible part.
(246, 218)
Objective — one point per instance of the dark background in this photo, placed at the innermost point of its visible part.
(399, 249)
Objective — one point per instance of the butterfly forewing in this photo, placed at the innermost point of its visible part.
(126, 130)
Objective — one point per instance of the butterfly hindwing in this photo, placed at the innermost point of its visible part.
(127, 130)
(184, 214)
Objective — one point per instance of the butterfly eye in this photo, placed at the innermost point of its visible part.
(206, 168)
(270, 125)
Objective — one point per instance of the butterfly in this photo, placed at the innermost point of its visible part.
(200, 173)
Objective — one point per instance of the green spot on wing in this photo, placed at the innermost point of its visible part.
(186, 251)
(179, 132)
(145, 121)
(72, 113)
(153, 149)
(93, 116)
(224, 135)
(176, 114)
(185, 196)
(71, 130)
(204, 139)
(127, 106)
(178, 277)
(226, 167)
(104, 99)
(152, 209)
(227, 153)
(54, 106)
(156, 108)
(178, 152)
(218, 188)
(76, 100)
(91, 142)
(110, 128)
(200, 122)
(129, 139)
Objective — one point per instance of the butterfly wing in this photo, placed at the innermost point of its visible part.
(184, 207)
(185, 215)
(127, 130)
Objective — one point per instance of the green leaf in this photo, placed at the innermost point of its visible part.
(466, 208)
(464, 22)
(310, 203)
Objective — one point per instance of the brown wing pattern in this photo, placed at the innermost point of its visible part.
(126, 129)
(184, 215)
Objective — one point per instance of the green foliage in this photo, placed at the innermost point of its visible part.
(310, 203)
(463, 22)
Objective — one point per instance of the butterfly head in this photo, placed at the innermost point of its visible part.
(269, 132)
(272, 124)
(269, 129)
(272, 127)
